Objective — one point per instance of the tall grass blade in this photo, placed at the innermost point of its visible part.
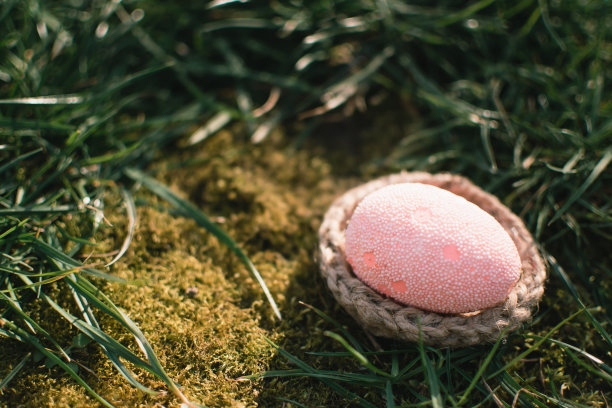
(187, 209)
(336, 324)
(389, 398)
(44, 100)
(19, 312)
(112, 355)
(607, 377)
(310, 371)
(64, 259)
(535, 345)
(481, 369)
(130, 207)
(33, 341)
(12, 163)
(595, 360)
(360, 357)
(572, 289)
(7, 379)
(430, 374)
(597, 170)
(102, 302)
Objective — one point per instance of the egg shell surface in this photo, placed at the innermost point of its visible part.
(426, 247)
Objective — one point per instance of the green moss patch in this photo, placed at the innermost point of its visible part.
(204, 314)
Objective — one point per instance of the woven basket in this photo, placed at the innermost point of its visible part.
(384, 317)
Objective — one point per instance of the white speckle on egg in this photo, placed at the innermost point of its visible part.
(426, 247)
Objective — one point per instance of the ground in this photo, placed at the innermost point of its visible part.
(202, 311)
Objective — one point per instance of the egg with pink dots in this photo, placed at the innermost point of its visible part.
(426, 247)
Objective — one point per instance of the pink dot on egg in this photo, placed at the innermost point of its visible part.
(399, 286)
(369, 259)
(451, 253)
(422, 214)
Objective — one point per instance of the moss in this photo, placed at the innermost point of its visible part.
(198, 305)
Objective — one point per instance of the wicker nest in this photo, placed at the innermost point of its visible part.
(384, 317)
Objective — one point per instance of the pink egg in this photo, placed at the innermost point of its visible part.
(426, 247)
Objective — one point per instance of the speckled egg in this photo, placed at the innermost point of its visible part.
(426, 247)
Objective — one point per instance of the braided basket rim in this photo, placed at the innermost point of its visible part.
(381, 316)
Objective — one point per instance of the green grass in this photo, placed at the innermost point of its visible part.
(130, 129)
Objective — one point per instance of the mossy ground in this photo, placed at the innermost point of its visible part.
(201, 310)
(205, 315)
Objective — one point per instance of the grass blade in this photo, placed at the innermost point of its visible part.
(33, 341)
(310, 371)
(14, 371)
(131, 213)
(589, 368)
(34, 125)
(58, 256)
(481, 369)
(591, 357)
(112, 355)
(345, 332)
(535, 345)
(572, 289)
(432, 380)
(44, 100)
(17, 309)
(597, 170)
(430, 374)
(189, 210)
(390, 399)
(54, 278)
(18, 159)
(91, 293)
(360, 357)
(39, 210)
(463, 14)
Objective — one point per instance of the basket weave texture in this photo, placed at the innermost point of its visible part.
(383, 317)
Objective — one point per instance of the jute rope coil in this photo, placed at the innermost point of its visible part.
(384, 317)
